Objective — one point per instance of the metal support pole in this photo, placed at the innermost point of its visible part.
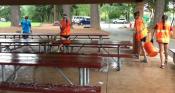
(118, 60)
(88, 76)
(3, 74)
(81, 76)
(84, 76)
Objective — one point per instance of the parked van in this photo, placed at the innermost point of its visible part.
(77, 19)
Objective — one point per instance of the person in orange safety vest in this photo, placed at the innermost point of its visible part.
(65, 26)
(163, 32)
(140, 34)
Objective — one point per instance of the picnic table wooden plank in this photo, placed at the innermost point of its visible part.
(93, 42)
(50, 60)
(49, 88)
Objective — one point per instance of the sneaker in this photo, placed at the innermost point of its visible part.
(166, 61)
(144, 60)
(162, 66)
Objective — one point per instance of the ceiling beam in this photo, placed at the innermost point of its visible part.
(46, 2)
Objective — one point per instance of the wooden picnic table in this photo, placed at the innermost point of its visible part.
(73, 36)
(48, 88)
(24, 42)
(95, 44)
(83, 62)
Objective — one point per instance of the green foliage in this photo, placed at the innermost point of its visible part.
(113, 11)
(81, 10)
(5, 12)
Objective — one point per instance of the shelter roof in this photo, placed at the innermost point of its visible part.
(44, 2)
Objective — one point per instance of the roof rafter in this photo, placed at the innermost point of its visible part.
(44, 2)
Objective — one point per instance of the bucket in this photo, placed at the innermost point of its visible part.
(150, 49)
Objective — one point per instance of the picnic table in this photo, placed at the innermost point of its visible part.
(18, 43)
(31, 35)
(96, 44)
(73, 36)
(173, 52)
(82, 62)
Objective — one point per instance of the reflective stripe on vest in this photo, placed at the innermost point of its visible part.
(163, 36)
(140, 28)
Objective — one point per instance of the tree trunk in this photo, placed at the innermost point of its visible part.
(95, 18)
(15, 15)
(159, 10)
(55, 13)
(140, 8)
(67, 10)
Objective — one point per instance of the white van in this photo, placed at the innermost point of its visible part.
(77, 19)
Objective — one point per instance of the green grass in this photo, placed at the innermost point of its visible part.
(5, 24)
(8, 24)
(34, 24)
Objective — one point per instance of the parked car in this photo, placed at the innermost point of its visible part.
(2, 20)
(85, 22)
(77, 19)
(120, 21)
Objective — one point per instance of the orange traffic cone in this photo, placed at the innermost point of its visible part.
(150, 49)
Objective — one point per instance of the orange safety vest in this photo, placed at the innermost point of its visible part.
(65, 27)
(163, 35)
(140, 29)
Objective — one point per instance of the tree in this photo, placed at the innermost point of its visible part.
(140, 7)
(15, 15)
(5, 12)
(55, 12)
(67, 10)
(81, 10)
(159, 10)
(95, 18)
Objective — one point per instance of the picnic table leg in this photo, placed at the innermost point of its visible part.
(84, 75)
(2, 72)
(118, 60)
(65, 77)
(0, 48)
(13, 76)
(88, 76)
(81, 76)
(174, 57)
(101, 39)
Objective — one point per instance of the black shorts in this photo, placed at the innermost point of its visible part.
(65, 36)
(25, 36)
(143, 39)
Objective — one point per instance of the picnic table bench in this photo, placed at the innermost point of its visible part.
(49, 88)
(51, 60)
(173, 52)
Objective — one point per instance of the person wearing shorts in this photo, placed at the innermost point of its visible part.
(163, 33)
(140, 35)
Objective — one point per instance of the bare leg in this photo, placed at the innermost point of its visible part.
(161, 51)
(144, 53)
(166, 53)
